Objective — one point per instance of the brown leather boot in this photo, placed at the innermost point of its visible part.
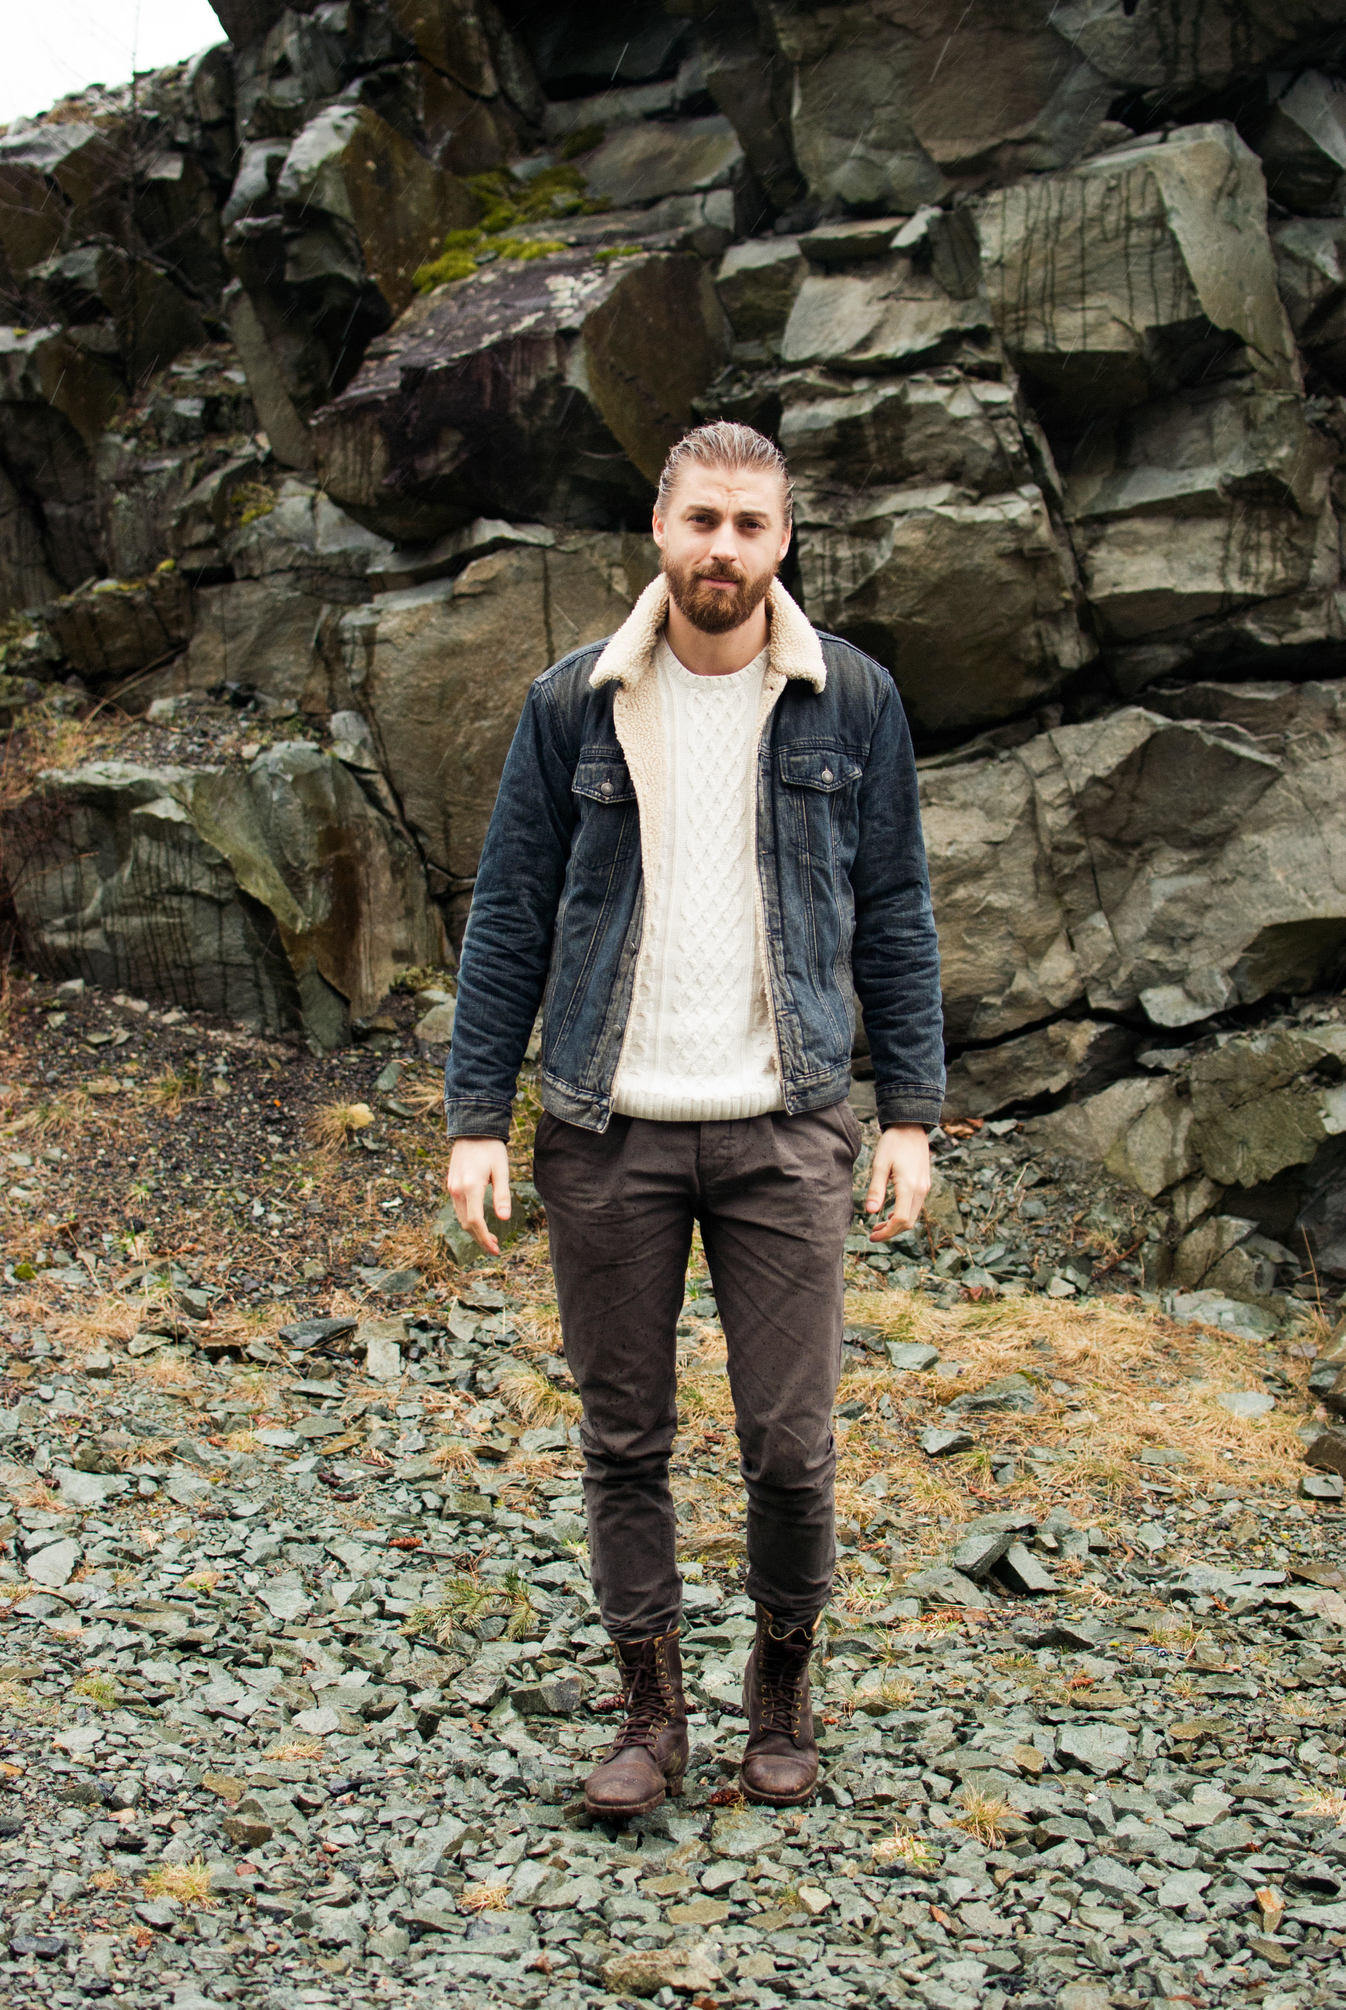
(648, 1757)
(780, 1761)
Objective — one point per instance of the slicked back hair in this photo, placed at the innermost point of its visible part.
(725, 443)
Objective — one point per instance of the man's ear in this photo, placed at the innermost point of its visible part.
(657, 528)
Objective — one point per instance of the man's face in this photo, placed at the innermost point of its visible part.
(722, 543)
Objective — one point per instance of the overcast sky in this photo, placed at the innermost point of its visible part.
(50, 47)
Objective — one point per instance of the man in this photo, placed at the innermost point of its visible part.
(707, 830)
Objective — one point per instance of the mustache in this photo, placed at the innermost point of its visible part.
(731, 578)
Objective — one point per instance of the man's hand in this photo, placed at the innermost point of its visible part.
(475, 1164)
(902, 1156)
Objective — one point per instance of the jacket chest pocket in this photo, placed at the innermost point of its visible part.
(602, 779)
(820, 793)
(607, 827)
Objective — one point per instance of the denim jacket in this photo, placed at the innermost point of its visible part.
(843, 907)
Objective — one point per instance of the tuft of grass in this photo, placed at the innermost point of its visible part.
(983, 1815)
(97, 1689)
(174, 1087)
(465, 1600)
(332, 1123)
(459, 1604)
(906, 1847)
(535, 1398)
(189, 1883)
(487, 1897)
(894, 1692)
(293, 1751)
(1175, 1635)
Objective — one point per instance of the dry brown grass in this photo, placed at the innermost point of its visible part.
(111, 1316)
(331, 1124)
(423, 1095)
(293, 1751)
(536, 1399)
(982, 1814)
(486, 1897)
(171, 1090)
(1324, 1804)
(189, 1883)
(414, 1245)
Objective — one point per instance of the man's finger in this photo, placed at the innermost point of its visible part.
(500, 1191)
(906, 1207)
(476, 1222)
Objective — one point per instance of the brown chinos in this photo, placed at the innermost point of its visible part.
(772, 1195)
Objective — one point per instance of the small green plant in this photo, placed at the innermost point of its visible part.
(97, 1689)
(247, 502)
(611, 251)
(522, 1610)
(505, 201)
(526, 247)
(461, 1603)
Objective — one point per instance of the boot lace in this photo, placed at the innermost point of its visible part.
(780, 1682)
(647, 1705)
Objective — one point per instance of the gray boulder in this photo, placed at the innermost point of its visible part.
(1079, 1055)
(926, 537)
(275, 894)
(643, 162)
(1311, 273)
(756, 283)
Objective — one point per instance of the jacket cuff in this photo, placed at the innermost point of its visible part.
(909, 1104)
(477, 1120)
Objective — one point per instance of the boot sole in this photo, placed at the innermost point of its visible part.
(777, 1800)
(633, 1808)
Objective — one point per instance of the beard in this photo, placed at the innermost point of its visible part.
(708, 608)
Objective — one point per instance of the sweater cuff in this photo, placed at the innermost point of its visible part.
(465, 1119)
(909, 1103)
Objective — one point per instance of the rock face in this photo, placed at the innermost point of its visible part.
(440, 672)
(336, 370)
(1261, 1116)
(278, 895)
(1138, 864)
(545, 387)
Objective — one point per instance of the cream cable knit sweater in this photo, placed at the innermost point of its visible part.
(699, 1043)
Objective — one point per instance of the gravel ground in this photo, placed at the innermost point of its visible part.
(301, 1670)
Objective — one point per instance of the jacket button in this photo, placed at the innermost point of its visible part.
(605, 788)
(827, 774)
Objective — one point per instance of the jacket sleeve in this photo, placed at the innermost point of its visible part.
(502, 971)
(895, 951)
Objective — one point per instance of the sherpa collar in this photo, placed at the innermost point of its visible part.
(792, 642)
